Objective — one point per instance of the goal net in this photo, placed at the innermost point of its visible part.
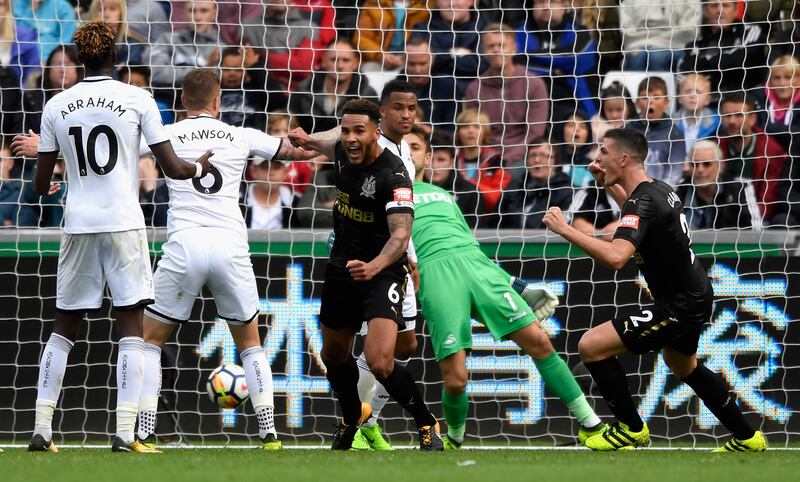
(514, 126)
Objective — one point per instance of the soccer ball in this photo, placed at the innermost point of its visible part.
(226, 386)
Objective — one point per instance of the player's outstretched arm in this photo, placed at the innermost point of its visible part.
(614, 254)
(275, 148)
(333, 134)
(289, 152)
(325, 145)
(175, 167)
(393, 250)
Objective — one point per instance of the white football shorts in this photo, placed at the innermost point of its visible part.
(216, 257)
(87, 262)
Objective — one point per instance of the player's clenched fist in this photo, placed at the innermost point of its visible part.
(597, 172)
(555, 220)
(298, 137)
(361, 271)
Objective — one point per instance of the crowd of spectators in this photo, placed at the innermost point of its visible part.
(516, 96)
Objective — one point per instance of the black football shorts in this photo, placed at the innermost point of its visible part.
(652, 328)
(347, 303)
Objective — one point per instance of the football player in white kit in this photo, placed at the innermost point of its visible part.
(207, 245)
(97, 126)
(398, 113)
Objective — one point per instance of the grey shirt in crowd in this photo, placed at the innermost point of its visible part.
(177, 53)
(277, 33)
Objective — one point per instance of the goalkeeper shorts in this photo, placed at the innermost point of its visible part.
(215, 257)
(454, 289)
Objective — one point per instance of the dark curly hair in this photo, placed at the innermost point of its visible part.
(363, 107)
(96, 42)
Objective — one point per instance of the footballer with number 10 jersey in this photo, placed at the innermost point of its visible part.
(98, 125)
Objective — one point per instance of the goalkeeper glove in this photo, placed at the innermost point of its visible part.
(541, 300)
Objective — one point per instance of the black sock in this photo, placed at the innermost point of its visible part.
(344, 384)
(610, 379)
(716, 395)
(401, 387)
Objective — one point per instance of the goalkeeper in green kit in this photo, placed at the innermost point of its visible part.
(458, 282)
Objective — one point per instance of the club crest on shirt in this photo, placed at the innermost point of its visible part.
(368, 188)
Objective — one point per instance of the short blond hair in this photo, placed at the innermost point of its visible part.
(786, 62)
(472, 116)
(281, 115)
(697, 79)
(123, 32)
(200, 88)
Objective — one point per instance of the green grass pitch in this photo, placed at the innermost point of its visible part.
(91, 465)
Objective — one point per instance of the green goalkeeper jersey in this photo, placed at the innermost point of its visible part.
(439, 226)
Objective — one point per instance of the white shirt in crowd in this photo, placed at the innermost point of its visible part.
(268, 217)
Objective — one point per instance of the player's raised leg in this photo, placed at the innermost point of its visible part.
(720, 399)
(599, 348)
(507, 316)
(379, 351)
(258, 375)
(52, 367)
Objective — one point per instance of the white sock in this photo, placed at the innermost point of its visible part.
(51, 376)
(366, 380)
(258, 375)
(381, 397)
(151, 387)
(130, 360)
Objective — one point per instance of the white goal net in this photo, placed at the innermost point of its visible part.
(515, 95)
